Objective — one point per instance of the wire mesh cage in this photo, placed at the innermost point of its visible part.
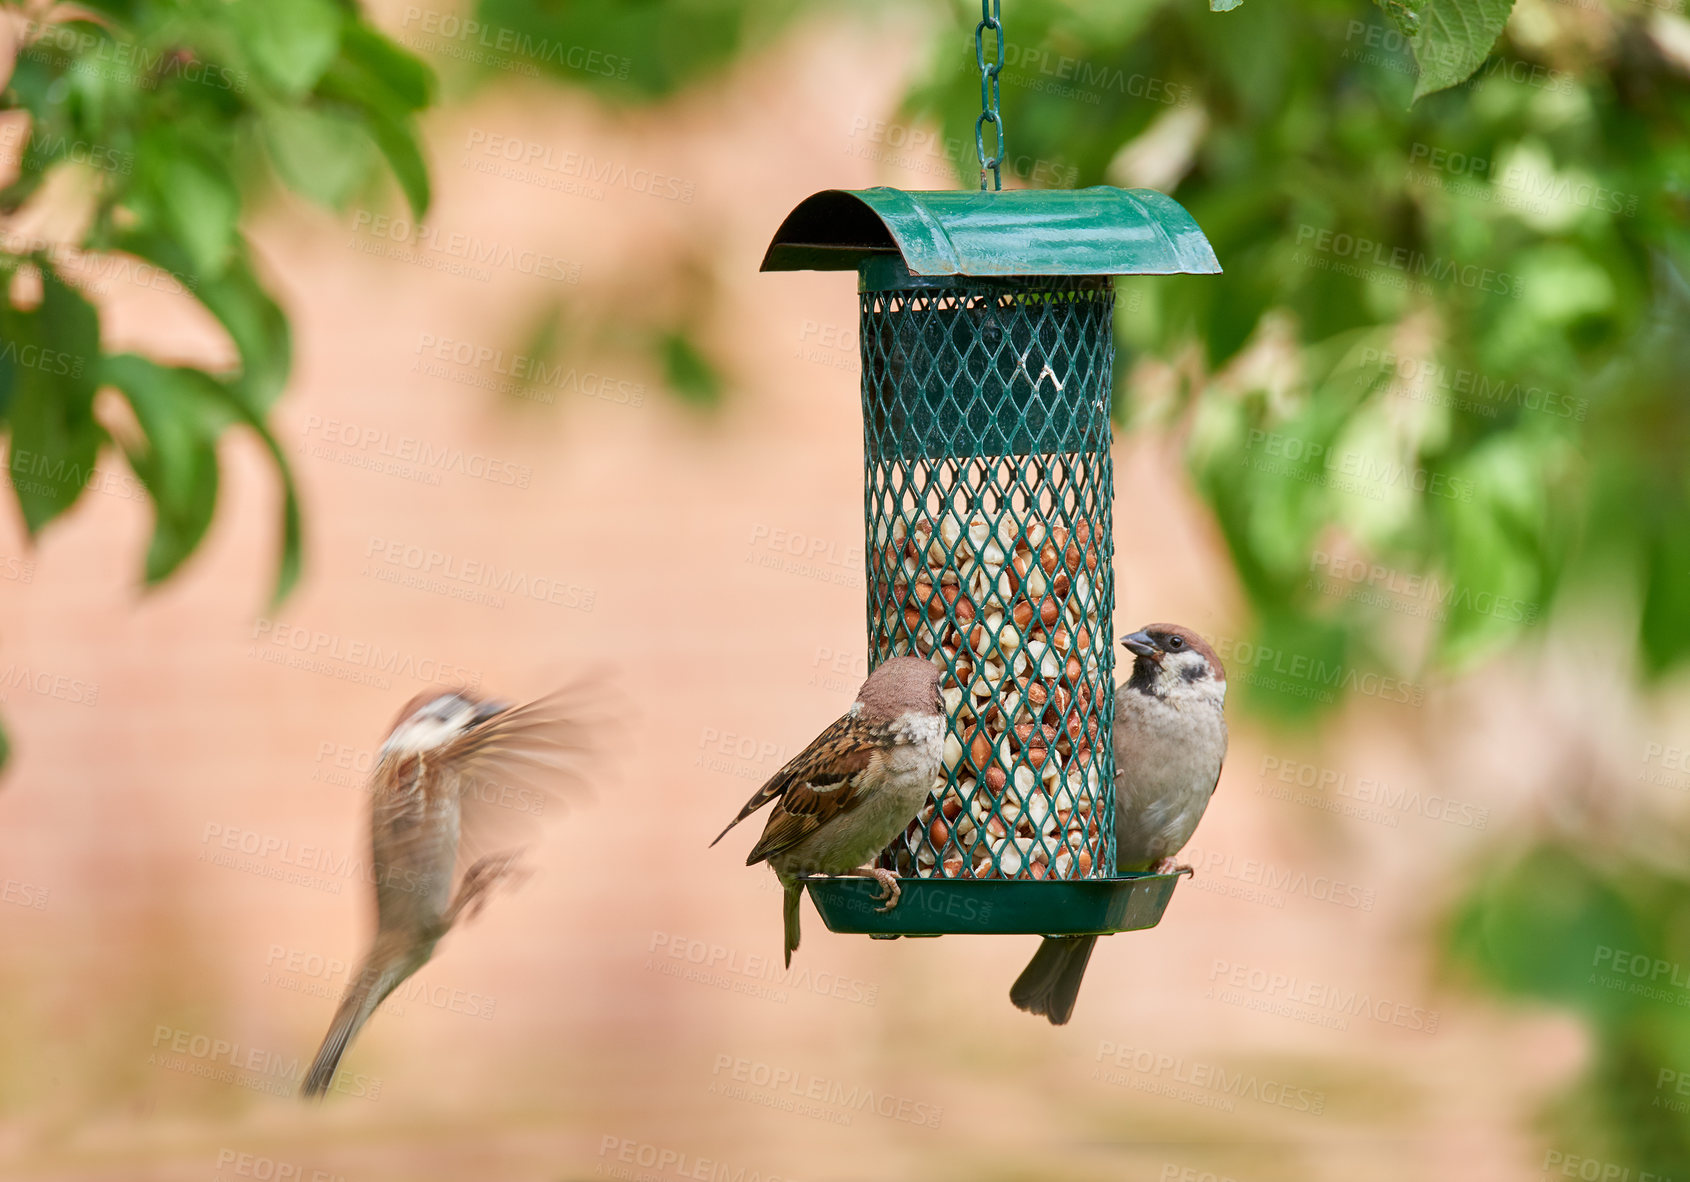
(987, 505)
(986, 327)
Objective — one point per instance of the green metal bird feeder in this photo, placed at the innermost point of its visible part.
(986, 330)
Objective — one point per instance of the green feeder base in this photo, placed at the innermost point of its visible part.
(994, 907)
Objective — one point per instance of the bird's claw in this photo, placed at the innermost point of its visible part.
(890, 890)
(1169, 866)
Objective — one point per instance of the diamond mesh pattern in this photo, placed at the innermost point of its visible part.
(987, 496)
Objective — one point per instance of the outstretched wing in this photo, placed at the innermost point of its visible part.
(818, 783)
(521, 766)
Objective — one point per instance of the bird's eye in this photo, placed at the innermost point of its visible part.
(1175, 643)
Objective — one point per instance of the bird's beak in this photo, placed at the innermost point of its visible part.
(1140, 645)
(487, 710)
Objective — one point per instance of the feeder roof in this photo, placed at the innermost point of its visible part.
(1096, 231)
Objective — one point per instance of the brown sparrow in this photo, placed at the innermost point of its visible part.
(442, 798)
(1170, 740)
(842, 799)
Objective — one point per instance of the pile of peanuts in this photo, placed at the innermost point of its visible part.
(1011, 614)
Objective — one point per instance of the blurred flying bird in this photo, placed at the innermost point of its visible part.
(457, 784)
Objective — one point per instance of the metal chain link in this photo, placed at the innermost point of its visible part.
(991, 17)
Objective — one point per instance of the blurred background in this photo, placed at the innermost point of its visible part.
(352, 351)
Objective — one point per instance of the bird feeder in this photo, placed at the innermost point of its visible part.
(987, 355)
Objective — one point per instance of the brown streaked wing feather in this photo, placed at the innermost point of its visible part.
(811, 803)
(814, 762)
(519, 767)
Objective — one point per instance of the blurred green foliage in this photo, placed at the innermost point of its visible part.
(151, 126)
(1471, 305)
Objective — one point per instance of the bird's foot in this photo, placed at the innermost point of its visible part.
(890, 891)
(479, 880)
(1169, 866)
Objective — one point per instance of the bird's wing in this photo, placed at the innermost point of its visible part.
(522, 766)
(818, 783)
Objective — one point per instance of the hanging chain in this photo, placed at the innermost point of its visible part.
(991, 17)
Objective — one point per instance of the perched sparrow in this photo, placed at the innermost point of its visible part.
(455, 778)
(844, 798)
(1170, 739)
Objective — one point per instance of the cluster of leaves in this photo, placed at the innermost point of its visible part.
(1602, 935)
(1480, 292)
(157, 122)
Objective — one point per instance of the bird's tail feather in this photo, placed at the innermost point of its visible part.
(374, 982)
(1050, 983)
(789, 912)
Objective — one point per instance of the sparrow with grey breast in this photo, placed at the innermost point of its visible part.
(1170, 741)
(843, 799)
(457, 783)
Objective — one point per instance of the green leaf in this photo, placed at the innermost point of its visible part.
(378, 63)
(259, 328)
(289, 44)
(8, 367)
(55, 439)
(202, 206)
(1455, 38)
(1404, 15)
(688, 371)
(5, 748)
(1223, 5)
(181, 412)
(398, 142)
(291, 559)
(319, 154)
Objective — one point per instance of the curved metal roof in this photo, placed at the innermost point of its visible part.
(1096, 231)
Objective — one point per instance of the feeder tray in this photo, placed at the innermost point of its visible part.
(986, 330)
